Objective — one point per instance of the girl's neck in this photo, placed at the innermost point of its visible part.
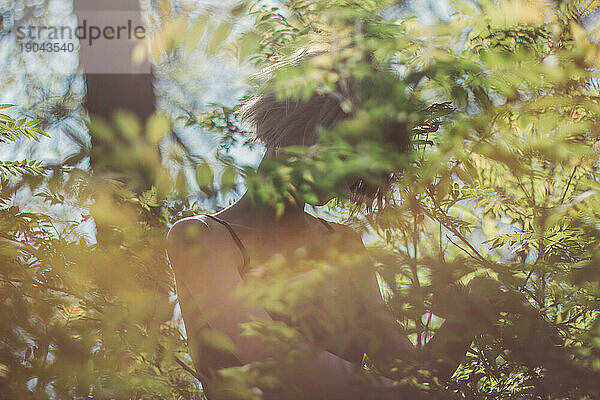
(244, 213)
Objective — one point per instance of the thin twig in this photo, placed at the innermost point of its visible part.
(568, 184)
(527, 278)
(460, 247)
(529, 197)
(188, 369)
(454, 231)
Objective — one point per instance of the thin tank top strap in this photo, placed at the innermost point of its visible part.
(242, 269)
(327, 224)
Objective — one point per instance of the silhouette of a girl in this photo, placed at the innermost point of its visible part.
(212, 255)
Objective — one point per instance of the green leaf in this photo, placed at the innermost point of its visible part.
(219, 36)
(128, 123)
(157, 127)
(204, 176)
(228, 178)
(248, 45)
(217, 340)
(196, 33)
(32, 123)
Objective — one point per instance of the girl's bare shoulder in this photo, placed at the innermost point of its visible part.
(200, 233)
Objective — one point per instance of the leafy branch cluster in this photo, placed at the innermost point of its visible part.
(12, 130)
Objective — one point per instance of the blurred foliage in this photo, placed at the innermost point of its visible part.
(80, 318)
(502, 105)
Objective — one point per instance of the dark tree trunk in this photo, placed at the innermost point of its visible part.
(114, 83)
(114, 86)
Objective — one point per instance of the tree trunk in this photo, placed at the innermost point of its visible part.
(113, 81)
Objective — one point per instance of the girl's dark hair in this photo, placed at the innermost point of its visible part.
(279, 123)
